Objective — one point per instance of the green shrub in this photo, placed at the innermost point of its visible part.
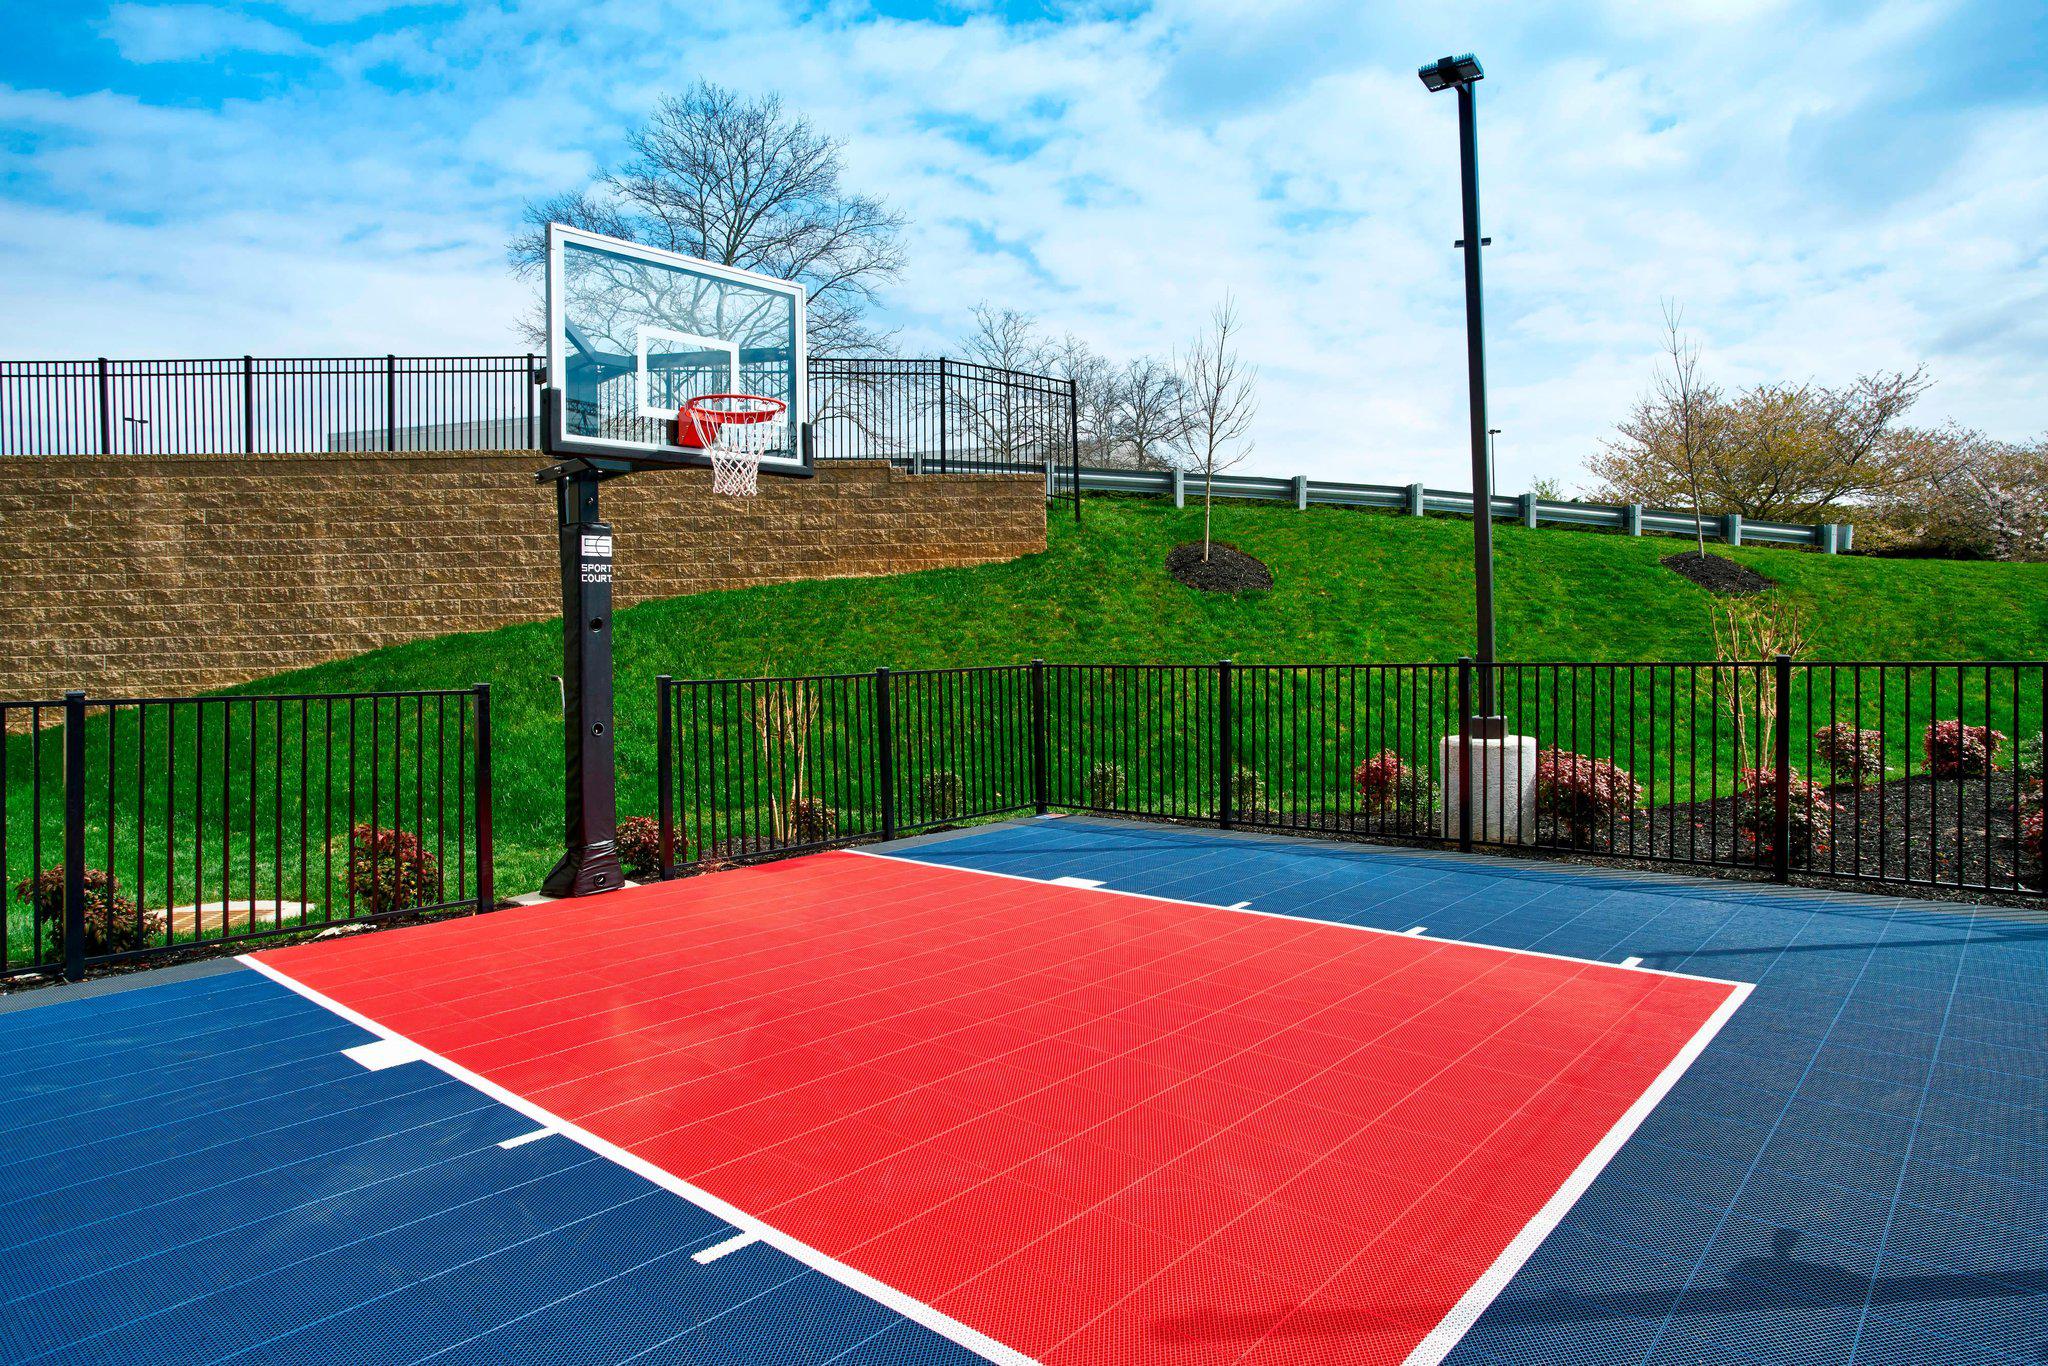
(945, 795)
(1105, 786)
(1856, 756)
(111, 924)
(639, 845)
(390, 870)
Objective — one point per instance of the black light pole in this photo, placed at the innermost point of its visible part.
(1459, 73)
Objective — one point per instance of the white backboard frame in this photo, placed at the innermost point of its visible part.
(557, 440)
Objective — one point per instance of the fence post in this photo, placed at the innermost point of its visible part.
(1465, 754)
(532, 388)
(665, 773)
(1226, 748)
(74, 836)
(885, 761)
(248, 405)
(390, 403)
(1040, 788)
(106, 409)
(917, 463)
(486, 872)
(1781, 764)
(1074, 440)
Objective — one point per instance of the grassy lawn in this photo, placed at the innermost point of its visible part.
(1351, 586)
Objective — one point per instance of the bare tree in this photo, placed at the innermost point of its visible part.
(1148, 411)
(1011, 424)
(746, 183)
(1666, 443)
(1218, 400)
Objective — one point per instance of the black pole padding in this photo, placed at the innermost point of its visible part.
(486, 873)
(590, 858)
(74, 836)
(885, 754)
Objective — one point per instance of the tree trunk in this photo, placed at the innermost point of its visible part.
(1208, 498)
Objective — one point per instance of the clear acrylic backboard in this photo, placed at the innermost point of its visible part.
(636, 333)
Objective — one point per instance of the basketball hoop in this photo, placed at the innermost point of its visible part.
(736, 430)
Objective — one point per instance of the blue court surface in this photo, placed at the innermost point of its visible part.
(217, 1168)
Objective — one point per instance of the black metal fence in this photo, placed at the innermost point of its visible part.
(941, 416)
(139, 827)
(1901, 773)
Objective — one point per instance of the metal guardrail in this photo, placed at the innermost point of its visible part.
(1418, 500)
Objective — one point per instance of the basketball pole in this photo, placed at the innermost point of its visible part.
(590, 856)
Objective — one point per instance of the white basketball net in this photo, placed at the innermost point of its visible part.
(736, 449)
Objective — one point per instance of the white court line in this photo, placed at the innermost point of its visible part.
(1416, 929)
(1077, 882)
(524, 1139)
(886, 1295)
(1248, 909)
(1631, 962)
(706, 1256)
(387, 1052)
(1454, 1325)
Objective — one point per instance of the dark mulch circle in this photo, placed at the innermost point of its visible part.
(1227, 570)
(1717, 573)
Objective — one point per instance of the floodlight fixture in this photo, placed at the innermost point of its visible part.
(1446, 72)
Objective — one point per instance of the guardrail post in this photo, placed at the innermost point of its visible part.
(1226, 737)
(248, 405)
(390, 403)
(1529, 511)
(1731, 528)
(1847, 537)
(885, 759)
(1632, 519)
(486, 871)
(1040, 794)
(74, 836)
(1301, 493)
(665, 773)
(1827, 533)
(1465, 754)
(1180, 488)
(1415, 500)
(106, 409)
(1781, 766)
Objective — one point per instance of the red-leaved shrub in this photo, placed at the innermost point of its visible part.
(1389, 783)
(111, 924)
(1851, 754)
(2034, 835)
(1809, 813)
(1955, 750)
(1585, 793)
(390, 870)
(639, 845)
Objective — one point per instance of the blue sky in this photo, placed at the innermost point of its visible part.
(1825, 187)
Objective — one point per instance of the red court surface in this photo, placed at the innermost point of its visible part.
(1096, 1128)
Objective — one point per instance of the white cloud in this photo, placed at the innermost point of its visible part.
(184, 33)
(1628, 155)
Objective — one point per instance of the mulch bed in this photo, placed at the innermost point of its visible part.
(1717, 573)
(1956, 831)
(1227, 570)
